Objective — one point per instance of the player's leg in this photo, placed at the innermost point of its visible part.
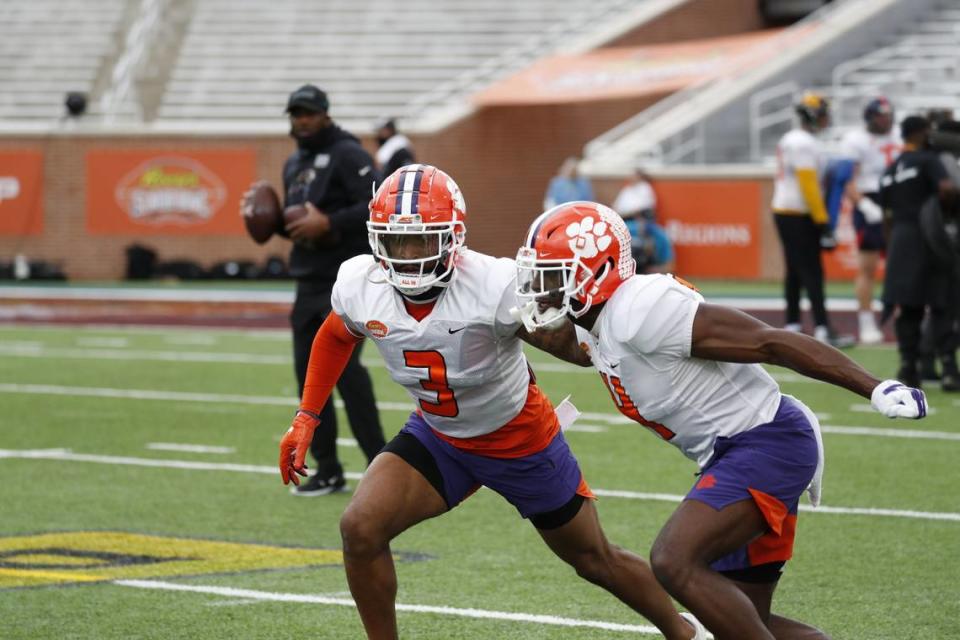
(694, 535)
(739, 517)
(407, 483)
(791, 281)
(581, 543)
(356, 389)
(864, 283)
(761, 594)
(548, 488)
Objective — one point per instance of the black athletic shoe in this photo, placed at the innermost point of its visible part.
(318, 486)
(950, 379)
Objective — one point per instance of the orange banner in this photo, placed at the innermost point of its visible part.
(621, 72)
(21, 193)
(167, 192)
(714, 226)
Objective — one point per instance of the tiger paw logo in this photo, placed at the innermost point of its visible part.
(588, 238)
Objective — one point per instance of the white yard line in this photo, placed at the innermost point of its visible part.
(484, 614)
(609, 418)
(193, 465)
(39, 350)
(189, 448)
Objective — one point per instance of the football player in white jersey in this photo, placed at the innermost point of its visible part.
(682, 368)
(872, 149)
(441, 317)
(801, 217)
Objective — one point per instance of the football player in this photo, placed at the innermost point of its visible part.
(801, 217)
(872, 148)
(441, 317)
(685, 370)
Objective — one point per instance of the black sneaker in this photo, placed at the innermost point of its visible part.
(950, 377)
(315, 485)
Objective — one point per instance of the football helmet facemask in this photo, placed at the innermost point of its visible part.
(417, 228)
(576, 255)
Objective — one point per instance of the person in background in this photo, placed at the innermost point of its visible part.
(872, 148)
(637, 205)
(568, 185)
(801, 217)
(914, 278)
(332, 176)
(394, 150)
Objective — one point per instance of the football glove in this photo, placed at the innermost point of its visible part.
(828, 241)
(896, 400)
(871, 211)
(294, 445)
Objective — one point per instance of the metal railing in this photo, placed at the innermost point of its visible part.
(121, 97)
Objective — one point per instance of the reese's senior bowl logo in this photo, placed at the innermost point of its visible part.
(168, 190)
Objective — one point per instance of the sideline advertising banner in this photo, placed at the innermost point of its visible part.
(146, 192)
(21, 192)
(714, 226)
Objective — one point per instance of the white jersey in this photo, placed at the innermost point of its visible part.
(873, 153)
(641, 344)
(798, 149)
(462, 364)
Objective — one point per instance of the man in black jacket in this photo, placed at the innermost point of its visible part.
(914, 277)
(332, 177)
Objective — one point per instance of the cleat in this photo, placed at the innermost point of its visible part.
(317, 486)
(699, 631)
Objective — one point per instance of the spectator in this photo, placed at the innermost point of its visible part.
(872, 149)
(801, 217)
(332, 176)
(568, 185)
(637, 203)
(394, 149)
(914, 279)
(637, 197)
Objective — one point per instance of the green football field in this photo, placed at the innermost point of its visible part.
(140, 499)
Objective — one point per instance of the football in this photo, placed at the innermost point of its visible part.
(264, 217)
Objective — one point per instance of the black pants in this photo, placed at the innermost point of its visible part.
(800, 239)
(944, 337)
(309, 311)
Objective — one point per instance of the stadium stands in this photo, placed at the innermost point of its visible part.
(238, 60)
(50, 47)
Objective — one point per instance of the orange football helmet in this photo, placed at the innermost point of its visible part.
(417, 227)
(576, 255)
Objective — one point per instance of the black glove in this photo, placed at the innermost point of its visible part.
(828, 241)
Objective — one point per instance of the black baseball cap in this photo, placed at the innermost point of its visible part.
(310, 98)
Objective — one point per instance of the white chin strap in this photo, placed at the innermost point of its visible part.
(532, 318)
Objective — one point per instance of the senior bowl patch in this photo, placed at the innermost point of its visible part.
(377, 329)
(97, 556)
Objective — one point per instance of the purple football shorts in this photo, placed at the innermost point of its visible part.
(534, 484)
(771, 464)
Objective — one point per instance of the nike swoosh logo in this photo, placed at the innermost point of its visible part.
(614, 366)
(453, 331)
(364, 171)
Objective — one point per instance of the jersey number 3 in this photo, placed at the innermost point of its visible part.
(436, 380)
(629, 409)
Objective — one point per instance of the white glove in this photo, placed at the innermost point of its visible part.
(896, 400)
(871, 211)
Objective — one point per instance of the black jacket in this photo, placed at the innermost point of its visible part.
(337, 175)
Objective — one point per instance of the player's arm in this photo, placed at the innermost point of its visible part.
(809, 184)
(561, 342)
(729, 335)
(359, 176)
(331, 350)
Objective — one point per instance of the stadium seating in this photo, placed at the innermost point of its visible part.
(239, 60)
(50, 47)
